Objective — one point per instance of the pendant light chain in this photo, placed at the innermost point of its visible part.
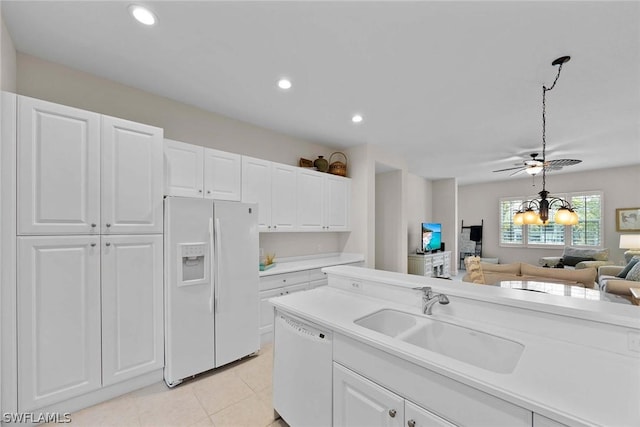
(544, 125)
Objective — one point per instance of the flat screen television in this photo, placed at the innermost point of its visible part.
(431, 236)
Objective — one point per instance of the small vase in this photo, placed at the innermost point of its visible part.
(321, 163)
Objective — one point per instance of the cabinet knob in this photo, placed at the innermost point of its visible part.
(199, 191)
(108, 244)
(93, 226)
(208, 191)
(108, 225)
(275, 226)
(411, 423)
(93, 244)
(392, 413)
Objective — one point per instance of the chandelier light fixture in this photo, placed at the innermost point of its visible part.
(536, 211)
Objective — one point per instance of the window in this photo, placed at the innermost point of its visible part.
(510, 234)
(588, 232)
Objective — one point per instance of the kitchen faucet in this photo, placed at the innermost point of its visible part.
(429, 298)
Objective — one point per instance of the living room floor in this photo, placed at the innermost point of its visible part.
(236, 395)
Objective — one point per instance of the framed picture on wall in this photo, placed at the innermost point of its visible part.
(628, 219)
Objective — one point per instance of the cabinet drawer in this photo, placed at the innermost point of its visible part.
(434, 392)
(316, 274)
(286, 279)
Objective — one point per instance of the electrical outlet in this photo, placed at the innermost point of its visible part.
(633, 340)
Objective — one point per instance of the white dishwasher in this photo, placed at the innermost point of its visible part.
(302, 372)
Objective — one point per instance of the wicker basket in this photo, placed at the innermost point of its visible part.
(337, 167)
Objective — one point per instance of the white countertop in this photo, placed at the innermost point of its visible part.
(572, 383)
(289, 265)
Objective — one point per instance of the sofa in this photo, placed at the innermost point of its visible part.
(489, 274)
(609, 279)
(578, 258)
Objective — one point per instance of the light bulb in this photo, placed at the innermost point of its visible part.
(142, 14)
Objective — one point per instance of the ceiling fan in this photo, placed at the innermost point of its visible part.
(534, 165)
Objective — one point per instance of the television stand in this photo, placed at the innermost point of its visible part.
(436, 264)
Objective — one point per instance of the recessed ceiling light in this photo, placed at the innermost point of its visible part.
(142, 14)
(357, 118)
(284, 84)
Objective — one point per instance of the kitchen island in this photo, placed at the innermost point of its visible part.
(561, 361)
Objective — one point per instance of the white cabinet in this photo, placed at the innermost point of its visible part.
(58, 318)
(323, 201)
(415, 416)
(283, 197)
(431, 265)
(132, 306)
(256, 188)
(131, 177)
(541, 421)
(222, 175)
(194, 171)
(311, 200)
(337, 203)
(90, 314)
(58, 169)
(183, 169)
(360, 402)
(82, 173)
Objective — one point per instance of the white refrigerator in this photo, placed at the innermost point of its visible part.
(211, 285)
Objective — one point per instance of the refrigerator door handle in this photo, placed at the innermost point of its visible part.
(218, 248)
(211, 295)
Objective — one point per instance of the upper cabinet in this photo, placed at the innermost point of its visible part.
(83, 173)
(131, 177)
(58, 169)
(323, 201)
(256, 188)
(183, 169)
(194, 171)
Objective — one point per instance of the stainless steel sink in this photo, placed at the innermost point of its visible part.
(466, 345)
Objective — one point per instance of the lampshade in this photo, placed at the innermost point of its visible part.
(533, 170)
(565, 216)
(630, 241)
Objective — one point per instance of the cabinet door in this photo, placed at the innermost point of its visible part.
(131, 177)
(420, 417)
(132, 304)
(283, 197)
(183, 169)
(58, 319)
(58, 169)
(222, 175)
(256, 188)
(360, 402)
(310, 192)
(337, 203)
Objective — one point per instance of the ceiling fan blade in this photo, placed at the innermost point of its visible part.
(563, 162)
(517, 172)
(509, 169)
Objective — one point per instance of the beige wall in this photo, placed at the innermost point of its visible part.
(419, 209)
(388, 221)
(56, 83)
(620, 187)
(445, 211)
(7, 59)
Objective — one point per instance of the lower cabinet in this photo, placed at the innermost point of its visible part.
(359, 401)
(266, 310)
(89, 314)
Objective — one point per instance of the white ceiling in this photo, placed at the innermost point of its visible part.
(455, 87)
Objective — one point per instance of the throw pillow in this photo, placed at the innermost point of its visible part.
(628, 268)
(571, 261)
(472, 264)
(634, 273)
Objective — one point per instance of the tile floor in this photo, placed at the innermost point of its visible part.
(237, 395)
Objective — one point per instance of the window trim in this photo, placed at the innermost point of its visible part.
(568, 230)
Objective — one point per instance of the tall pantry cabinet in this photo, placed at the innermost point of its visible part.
(89, 251)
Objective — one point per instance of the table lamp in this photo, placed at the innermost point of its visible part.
(632, 243)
